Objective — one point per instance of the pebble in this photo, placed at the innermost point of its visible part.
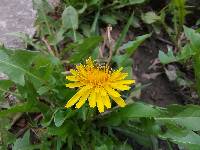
(17, 16)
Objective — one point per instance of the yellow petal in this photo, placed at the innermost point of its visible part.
(73, 72)
(100, 104)
(76, 97)
(71, 78)
(111, 91)
(81, 69)
(83, 99)
(119, 70)
(73, 100)
(103, 92)
(105, 98)
(119, 101)
(116, 73)
(89, 62)
(122, 76)
(92, 99)
(106, 101)
(119, 86)
(125, 82)
(73, 85)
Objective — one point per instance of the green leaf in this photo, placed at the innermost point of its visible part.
(167, 58)
(150, 17)
(70, 18)
(64, 131)
(32, 106)
(192, 49)
(43, 67)
(129, 70)
(184, 138)
(124, 32)
(124, 3)
(43, 8)
(190, 147)
(179, 12)
(196, 66)
(82, 10)
(122, 60)
(186, 116)
(42, 5)
(59, 118)
(6, 137)
(193, 36)
(16, 64)
(136, 22)
(136, 110)
(42, 90)
(22, 143)
(95, 23)
(61, 115)
(85, 48)
(58, 37)
(186, 53)
(4, 87)
(109, 19)
(102, 147)
(133, 1)
(132, 46)
(25, 107)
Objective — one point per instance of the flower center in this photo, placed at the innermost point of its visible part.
(96, 76)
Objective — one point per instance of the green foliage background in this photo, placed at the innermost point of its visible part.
(38, 79)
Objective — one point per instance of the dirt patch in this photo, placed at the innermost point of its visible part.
(160, 90)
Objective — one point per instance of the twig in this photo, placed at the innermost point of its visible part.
(48, 46)
(15, 118)
(179, 42)
(165, 41)
(110, 43)
(21, 131)
(102, 47)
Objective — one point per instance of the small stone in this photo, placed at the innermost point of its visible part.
(16, 16)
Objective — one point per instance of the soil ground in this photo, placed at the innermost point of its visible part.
(159, 90)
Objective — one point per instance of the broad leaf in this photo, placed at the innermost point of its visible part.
(150, 17)
(166, 58)
(132, 46)
(136, 110)
(70, 18)
(189, 138)
(124, 3)
(64, 131)
(85, 48)
(16, 64)
(193, 37)
(186, 116)
(23, 143)
(4, 87)
(25, 107)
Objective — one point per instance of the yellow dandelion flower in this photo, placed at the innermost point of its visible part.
(97, 84)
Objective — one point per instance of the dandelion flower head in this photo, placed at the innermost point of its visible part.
(97, 84)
